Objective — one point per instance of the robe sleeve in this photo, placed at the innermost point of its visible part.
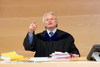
(73, 48)
(27, 45)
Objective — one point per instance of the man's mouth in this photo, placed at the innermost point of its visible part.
(50, 24)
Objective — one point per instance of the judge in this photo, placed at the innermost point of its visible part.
(50, 40)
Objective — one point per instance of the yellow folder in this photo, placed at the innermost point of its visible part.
(13, 55)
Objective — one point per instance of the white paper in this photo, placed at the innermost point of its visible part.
(41, 59)
(60, 55)
(6, 58)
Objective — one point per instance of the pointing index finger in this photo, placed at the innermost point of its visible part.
(34, 22)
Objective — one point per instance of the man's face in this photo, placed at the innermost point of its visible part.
(50, 22)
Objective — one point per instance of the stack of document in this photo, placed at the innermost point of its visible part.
(11, 56)
(60, 55)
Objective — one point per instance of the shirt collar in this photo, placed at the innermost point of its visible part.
(48, 31)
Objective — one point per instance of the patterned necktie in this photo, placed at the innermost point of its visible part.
(51, 33)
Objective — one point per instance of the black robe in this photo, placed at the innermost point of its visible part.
(45, 45)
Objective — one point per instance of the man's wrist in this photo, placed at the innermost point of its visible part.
(30, 32)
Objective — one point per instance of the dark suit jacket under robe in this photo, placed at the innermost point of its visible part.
(45, 45)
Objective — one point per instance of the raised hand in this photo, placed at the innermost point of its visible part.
(32, 27)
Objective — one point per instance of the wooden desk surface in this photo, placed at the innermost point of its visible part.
(79, 62)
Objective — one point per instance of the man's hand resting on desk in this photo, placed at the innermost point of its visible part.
(32, 27)
(75, 55)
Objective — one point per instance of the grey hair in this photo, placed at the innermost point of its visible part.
(47, 14)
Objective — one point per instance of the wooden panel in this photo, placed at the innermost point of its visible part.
(36, 8)
(81, 18)
(85, 31)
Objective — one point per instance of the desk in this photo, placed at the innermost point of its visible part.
(74, 62)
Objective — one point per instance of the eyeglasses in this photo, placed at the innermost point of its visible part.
(50, 19)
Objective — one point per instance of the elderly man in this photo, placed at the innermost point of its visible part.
(50, 40)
